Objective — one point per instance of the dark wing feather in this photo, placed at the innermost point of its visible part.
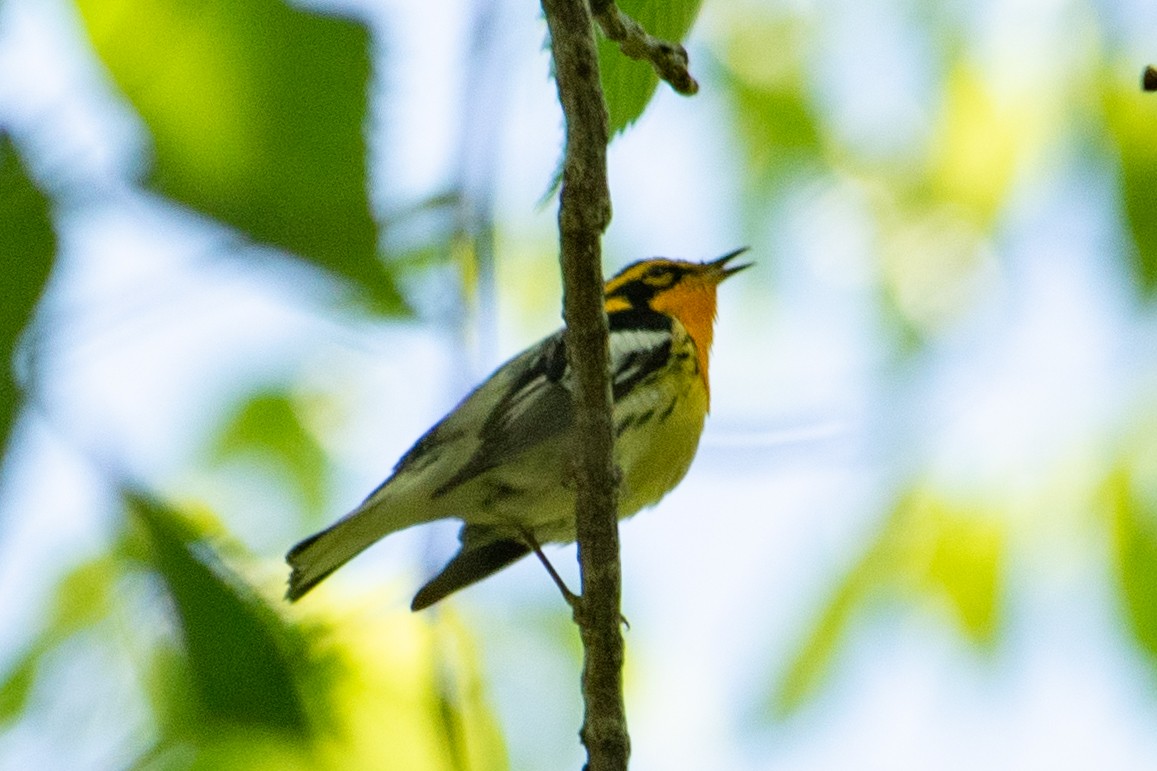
(478, 558)
(536, 407)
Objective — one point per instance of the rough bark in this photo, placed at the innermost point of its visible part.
(584, 213)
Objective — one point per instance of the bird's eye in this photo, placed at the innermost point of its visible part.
(658, 275)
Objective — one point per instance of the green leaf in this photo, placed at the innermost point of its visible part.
(17, 685)
(927, 552)
(1131, 118)
(256, 111)
(778, 127)
(27, 248)
(963, 569)
(980, 142)
(628, 84)
(269, 425)
(82, 599)
(237, 647)
(84, 596)
(1133, 519)
(933, 264)
(810, 667)
(471, 734)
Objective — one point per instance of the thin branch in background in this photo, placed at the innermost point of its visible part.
(584, 213)
(669, 59)
(486, 84)
(1149, 78)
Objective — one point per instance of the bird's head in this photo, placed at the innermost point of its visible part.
(676, 289)
(683, 290)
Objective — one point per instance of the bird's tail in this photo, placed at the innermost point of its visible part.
(313, 559)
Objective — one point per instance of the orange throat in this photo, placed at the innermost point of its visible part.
(694, 307)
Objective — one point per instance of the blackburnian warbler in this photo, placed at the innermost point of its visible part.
(501, 460)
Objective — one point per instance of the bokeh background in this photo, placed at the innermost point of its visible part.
(251, 250)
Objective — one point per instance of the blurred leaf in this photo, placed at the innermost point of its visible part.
(1134, 527)
(979, 142)
(964, 570)
(17, 685)
(777, 125)
(926, 550)
(1131, 119)
(235, 686)
(472, 735)
(934, 264)
(776, 122)
(82, 599)
(27, 248)
(185, 739)
(812, 663)
(257, 112)
(84, 596)
(628, 85)
(409, 693)
(235, 750)
(236, 646)
(176, 707)
(269, 426)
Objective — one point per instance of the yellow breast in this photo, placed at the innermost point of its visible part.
(659, 425)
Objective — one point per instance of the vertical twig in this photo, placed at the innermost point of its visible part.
(584, 212)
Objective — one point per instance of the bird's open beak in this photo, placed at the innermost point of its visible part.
(719, 269)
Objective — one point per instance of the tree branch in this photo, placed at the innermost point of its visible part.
(668, 59)
(584, 213)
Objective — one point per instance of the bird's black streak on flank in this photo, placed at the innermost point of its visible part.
(637, 367)
(468, 567)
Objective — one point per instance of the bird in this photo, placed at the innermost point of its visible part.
(502, 460)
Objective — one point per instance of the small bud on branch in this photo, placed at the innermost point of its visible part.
(669, 59)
